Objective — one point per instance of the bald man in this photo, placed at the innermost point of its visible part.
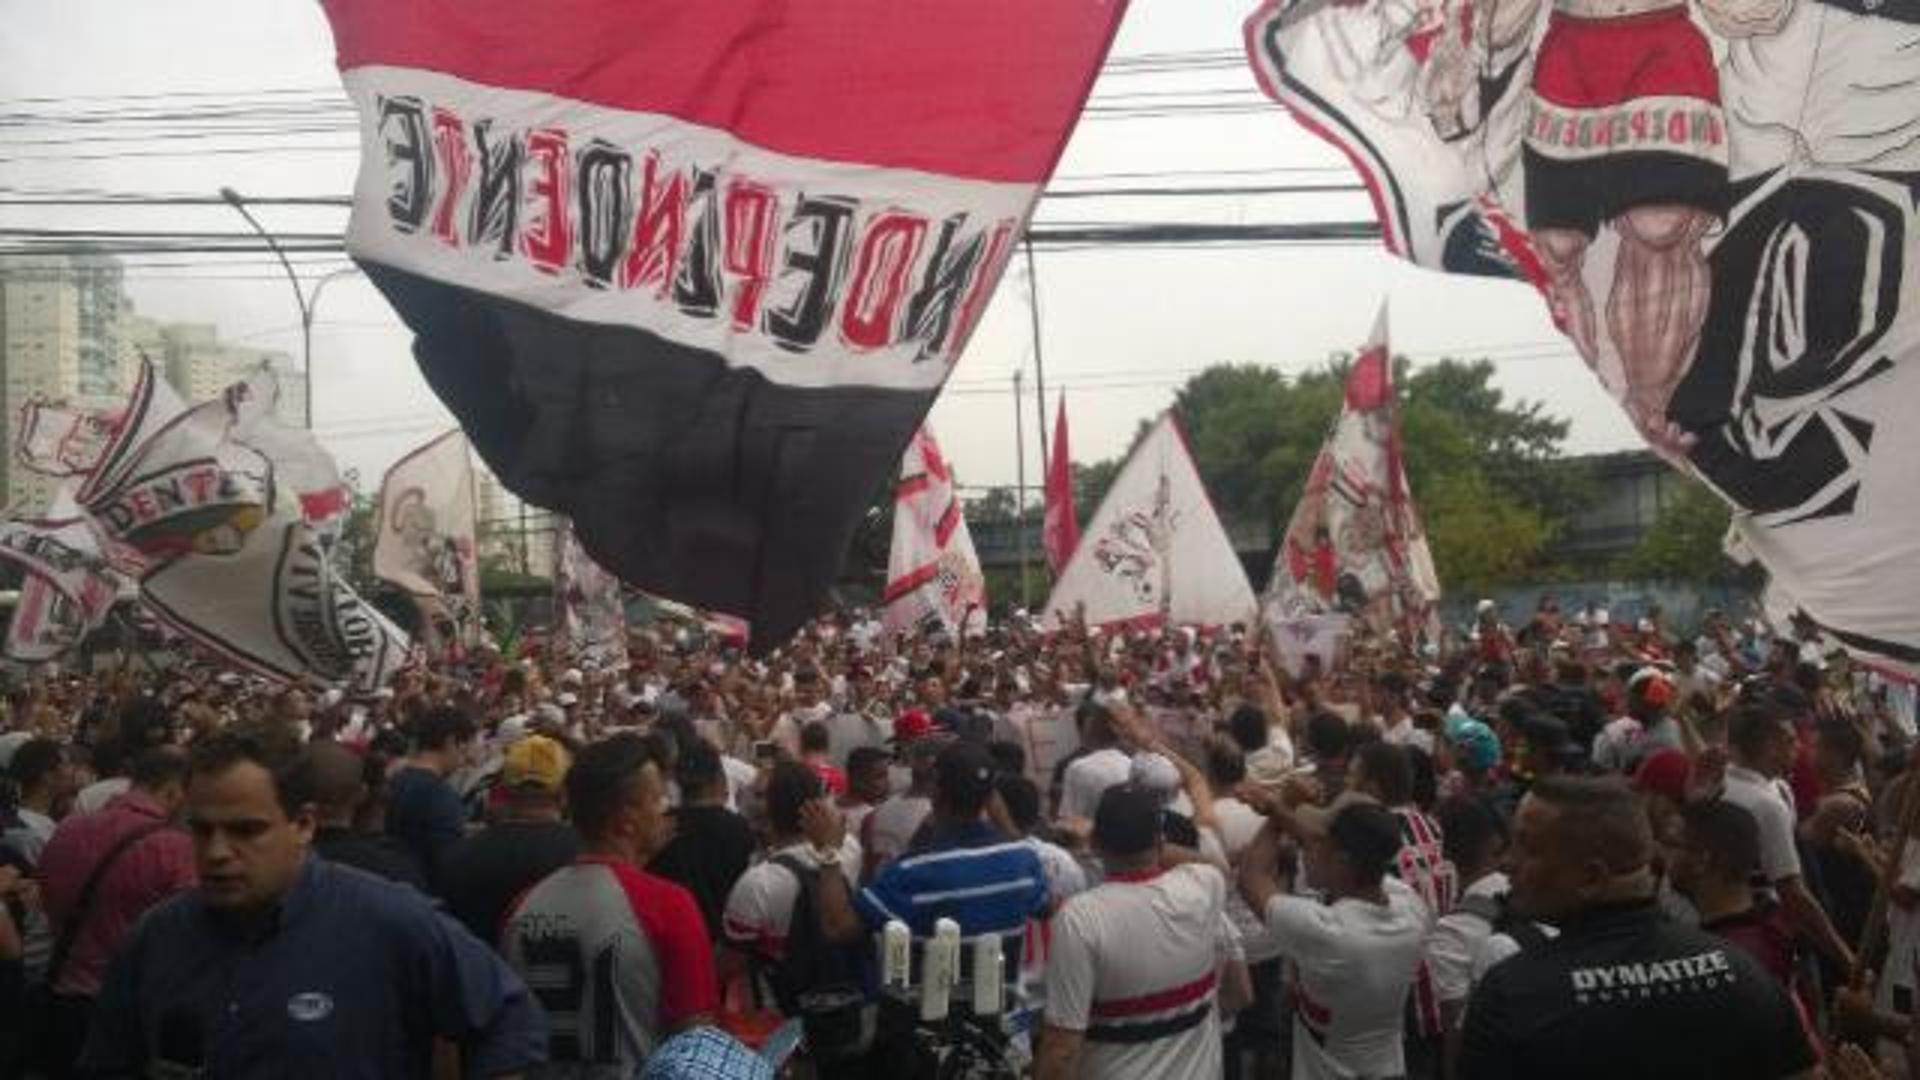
(1623, 991)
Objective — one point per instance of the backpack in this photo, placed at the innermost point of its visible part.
(811, 962)
(1497, 914)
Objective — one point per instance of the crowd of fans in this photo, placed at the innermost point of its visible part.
(1568, 848)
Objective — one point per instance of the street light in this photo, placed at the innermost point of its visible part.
(308, 301)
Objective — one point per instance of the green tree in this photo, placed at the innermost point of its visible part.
(1479, 537)
(1687, 538)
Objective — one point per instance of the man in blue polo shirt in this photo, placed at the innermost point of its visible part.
(283, 964)
(960, 868)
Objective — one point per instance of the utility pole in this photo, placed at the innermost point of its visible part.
(1020, 488)
(1039, 361)
(309, 302)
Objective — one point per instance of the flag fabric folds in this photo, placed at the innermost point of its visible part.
(1155, 550)
(933, 573)
(691, 274)
(1060, 533)
(1718, 205)
(591, 622)
(67, 589)
(227, 520)
(428, 532)
(1355, 545)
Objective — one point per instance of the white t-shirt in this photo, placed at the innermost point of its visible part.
(892, 824)
(786, 730)
(1355, 963)
(1405, 733)
(1139, 952)
(1771, 805)
(1239, 824)
(1618, 747)
(100, 793)
(32, 835)
(1903, 937)
(761, 904)
(1457, 938)
(740, 777)
(1088, 778)
(1065, 876)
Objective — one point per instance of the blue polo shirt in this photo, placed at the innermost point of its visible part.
(352, 976)
(971, 874)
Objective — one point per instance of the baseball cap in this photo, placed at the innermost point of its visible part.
(1652, 685)
(1128, 820)
(1155, 773)
(964, 773)
(1548, 734)
(1475, 743)
(535, 761)
(1665, 772)
(912, 724)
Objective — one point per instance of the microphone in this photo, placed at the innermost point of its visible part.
(182, 1049)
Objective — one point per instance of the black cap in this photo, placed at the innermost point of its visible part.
(1128, 820)
(1548, 734)
(964, 775)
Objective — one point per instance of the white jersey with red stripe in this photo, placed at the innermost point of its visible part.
(1353, 964)
(1135, 966)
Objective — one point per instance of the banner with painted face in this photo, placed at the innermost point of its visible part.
(1716, 199)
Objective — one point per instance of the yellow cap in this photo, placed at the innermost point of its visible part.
(535, 761)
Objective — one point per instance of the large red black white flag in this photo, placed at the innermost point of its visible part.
(428, 536)
(67, 588)
(1719, 205)
(934, 581)
(1355, 545)
(692, 273)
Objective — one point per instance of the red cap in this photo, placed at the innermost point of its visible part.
(1665, 772)
(912, 724)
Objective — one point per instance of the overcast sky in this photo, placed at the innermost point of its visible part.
(1121, 328)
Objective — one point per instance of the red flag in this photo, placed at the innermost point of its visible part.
(691, 274)
(1060, 534)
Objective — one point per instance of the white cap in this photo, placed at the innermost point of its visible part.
(1154, 772)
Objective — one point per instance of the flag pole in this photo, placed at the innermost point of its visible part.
(1039, 362)
(1020, 488)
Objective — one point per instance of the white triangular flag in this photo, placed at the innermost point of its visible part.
(1155, 548)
